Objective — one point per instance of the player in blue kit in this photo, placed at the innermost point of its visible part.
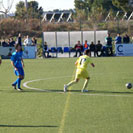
(18, 64)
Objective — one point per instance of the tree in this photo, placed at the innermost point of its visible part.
(6, 6)
(95, 8)
(89, 4)
(80, 16)
(33, 11)
(122, 4)
(83, 7)
(83, 4)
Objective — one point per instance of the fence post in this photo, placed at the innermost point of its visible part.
(95, 30)
(95, 36)
(42, 42)
(56, 43)
(82, 37)
(69, 42)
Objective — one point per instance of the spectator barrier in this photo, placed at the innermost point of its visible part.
(124, 49)
(29, 52)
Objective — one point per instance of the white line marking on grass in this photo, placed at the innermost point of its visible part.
(27, 82)
(62, 124)
(44, 90)
(66, 103)
(107, 95)
(66, 107)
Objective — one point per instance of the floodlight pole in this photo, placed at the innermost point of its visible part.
(95, 30)
(118, 25)
(26, 6)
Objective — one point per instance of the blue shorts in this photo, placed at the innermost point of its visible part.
(20, 71)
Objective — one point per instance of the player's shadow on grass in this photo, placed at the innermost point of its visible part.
(31, 91)
(75, 91)
(45, 91)
(30, 126)
(109, 92)
(79, 91)
(54, 91)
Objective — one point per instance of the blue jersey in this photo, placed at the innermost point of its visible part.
(118, 40)
(17, 58)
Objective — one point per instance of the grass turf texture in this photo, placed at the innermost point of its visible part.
(107, 110)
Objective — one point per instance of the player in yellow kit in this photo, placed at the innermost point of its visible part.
(81, 72)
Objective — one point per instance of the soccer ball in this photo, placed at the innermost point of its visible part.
(128, 85)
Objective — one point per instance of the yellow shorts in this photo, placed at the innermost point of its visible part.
(81, 74)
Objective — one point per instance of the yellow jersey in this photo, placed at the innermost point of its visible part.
(83, 61)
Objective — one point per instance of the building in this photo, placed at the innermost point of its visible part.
(58, 16)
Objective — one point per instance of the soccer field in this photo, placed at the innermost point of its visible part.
(43, 107)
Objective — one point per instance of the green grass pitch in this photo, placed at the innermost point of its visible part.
(106, 108)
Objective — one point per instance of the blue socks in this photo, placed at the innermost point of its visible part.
(18, 81)
(15, 82)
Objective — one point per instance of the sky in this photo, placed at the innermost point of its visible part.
(48, 4)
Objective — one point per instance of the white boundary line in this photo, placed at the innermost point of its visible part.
(25, 84)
